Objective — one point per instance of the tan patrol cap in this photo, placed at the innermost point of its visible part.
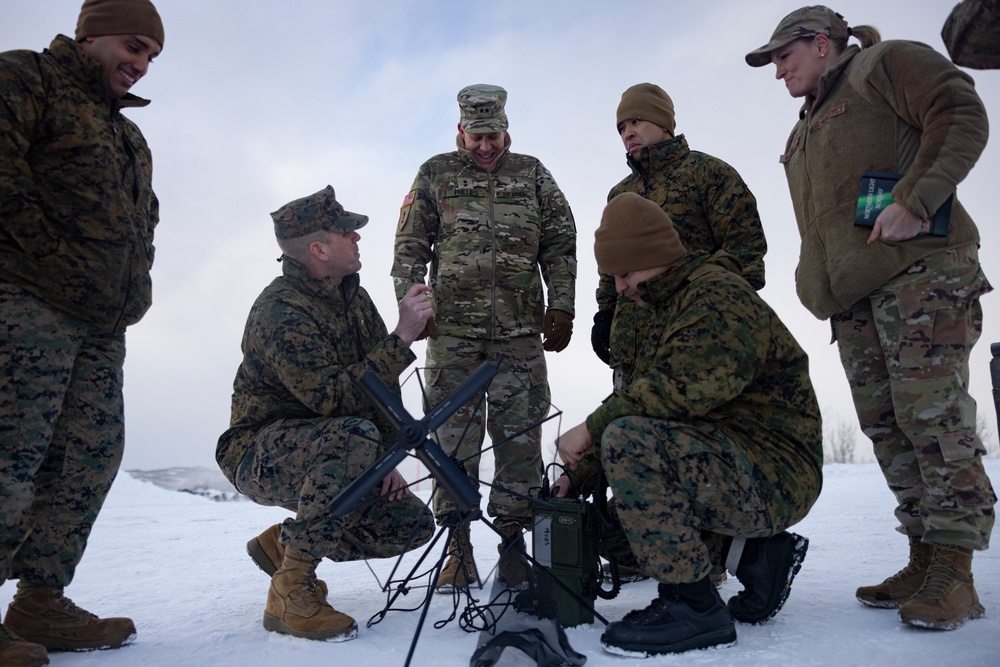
(804, 22)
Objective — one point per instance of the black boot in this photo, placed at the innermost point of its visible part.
(682, 618)
(766, 570)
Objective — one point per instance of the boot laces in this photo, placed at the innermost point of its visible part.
(70, 608)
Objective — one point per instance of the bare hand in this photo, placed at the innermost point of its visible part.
(394, 486)
(896, 223)
(414, 312)
(573, 444)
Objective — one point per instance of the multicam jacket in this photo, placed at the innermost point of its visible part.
(722, 355)
(306, 345)
(486, 236)
(77, 208)
(897, 107)
(712, 209)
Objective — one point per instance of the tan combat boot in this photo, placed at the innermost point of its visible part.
(267, 551)
(903, 585)
(16, 652)
(513, 568)
(948, 597)
(297, 607)
(459, 570)
(43, 615)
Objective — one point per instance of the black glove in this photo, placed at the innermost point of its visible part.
(600, 334)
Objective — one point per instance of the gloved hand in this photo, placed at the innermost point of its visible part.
(430, 330)
(557, 328)
(600, 334)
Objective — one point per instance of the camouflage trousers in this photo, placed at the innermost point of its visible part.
(61, 435)
(672, 481)
(302, 464)
(905, 350)
(516, 402)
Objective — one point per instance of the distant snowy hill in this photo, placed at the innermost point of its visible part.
(208, 482)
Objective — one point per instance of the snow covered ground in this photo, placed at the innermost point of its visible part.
(175, 562)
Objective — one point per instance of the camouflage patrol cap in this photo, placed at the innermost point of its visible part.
(315, 213)
(803, 22)
(481, 107)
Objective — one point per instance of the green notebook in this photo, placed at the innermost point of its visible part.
(875, 194)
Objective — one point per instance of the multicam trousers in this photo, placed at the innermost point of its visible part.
(302, 464)
(516, 402)
(61, 435)
(905, 350)
(672, 481)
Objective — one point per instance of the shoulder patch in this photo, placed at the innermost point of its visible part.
(408, 199)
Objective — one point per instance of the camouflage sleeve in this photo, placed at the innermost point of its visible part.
(22, 101)
(607, 295)
(732, 214)
(557, 246)
(710, 352)
(309, 365)
(416, 234)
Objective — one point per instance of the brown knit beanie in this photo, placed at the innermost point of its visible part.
(119, 17)
(647, 101)
(635, 234)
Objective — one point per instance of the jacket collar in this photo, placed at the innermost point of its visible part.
(660, 290)
(86, 72)
(466, 155)
(651, 157)
(829, 80)
(322, 288)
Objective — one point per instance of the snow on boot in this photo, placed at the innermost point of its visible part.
(17, 652)
(296, 606)
(766, 570)
(43, 615)
(513, 569)
(948, 597)
(459, 571)
(900, 587)
(682, 618)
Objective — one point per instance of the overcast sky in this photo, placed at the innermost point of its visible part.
(255, 103)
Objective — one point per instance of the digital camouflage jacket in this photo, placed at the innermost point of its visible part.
(722, 355)
(712, 209)
(491, 238)
(306, 345)
(77, 209)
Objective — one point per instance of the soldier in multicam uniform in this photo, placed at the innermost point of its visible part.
(493, 225)
(971, 34)
(302, 429)
(719, 431)
(904, 306)
(711, 208)
(77, 213)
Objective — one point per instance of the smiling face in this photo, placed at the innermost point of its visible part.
(636, 134)
(802, 63)
(124, 59)
(484, 146)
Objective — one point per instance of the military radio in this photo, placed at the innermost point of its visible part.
(564, 545)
